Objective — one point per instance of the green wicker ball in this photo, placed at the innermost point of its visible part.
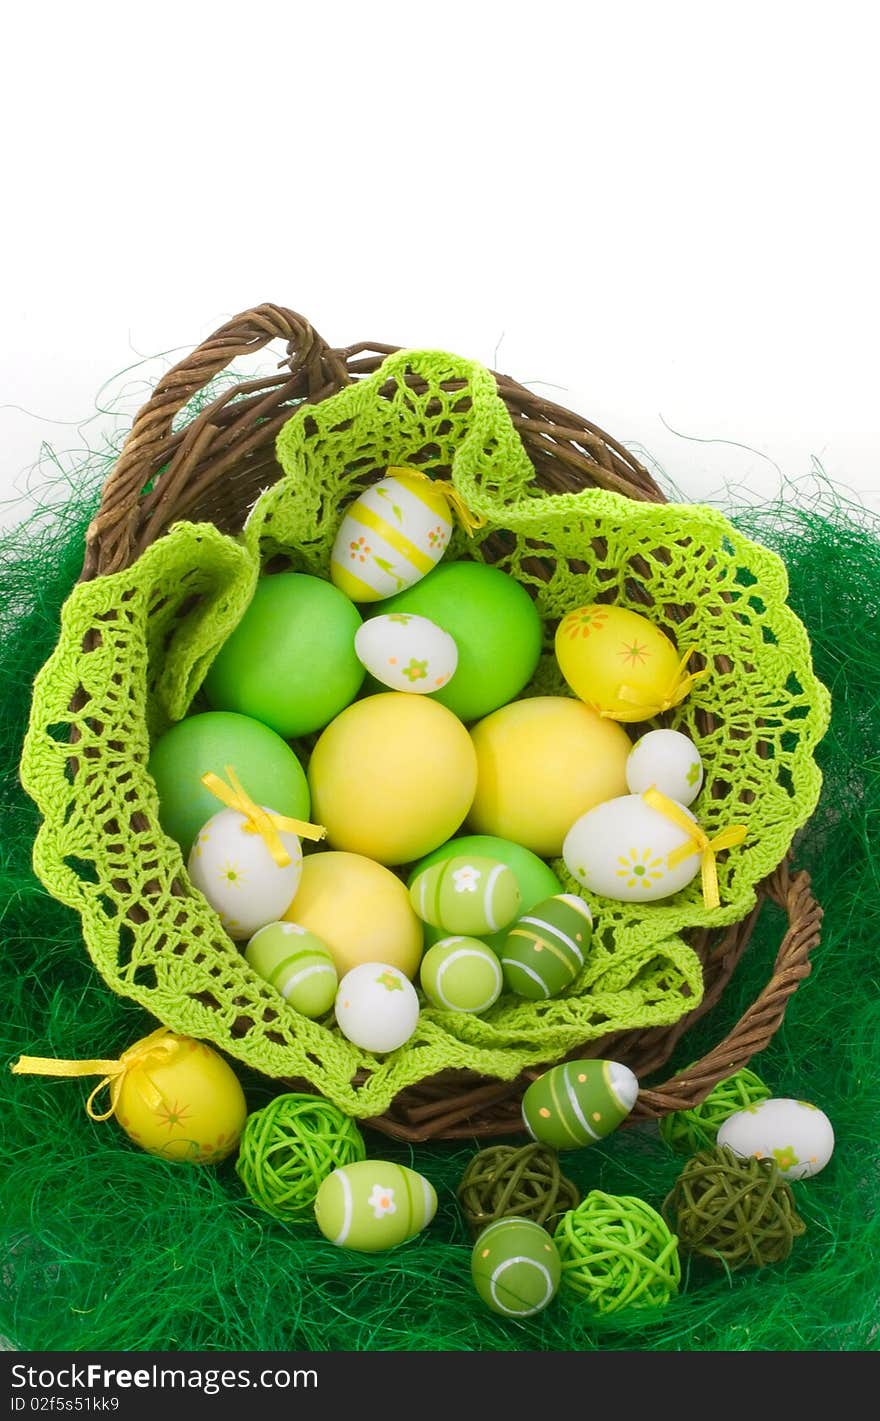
(736, 1211)
(687, 1131)
(289, 1147)
(617, 1252)
(524, 1182)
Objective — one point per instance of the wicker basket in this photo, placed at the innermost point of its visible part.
(214, 468)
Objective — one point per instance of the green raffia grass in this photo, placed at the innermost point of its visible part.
(105, 1247)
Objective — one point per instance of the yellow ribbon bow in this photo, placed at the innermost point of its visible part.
(150, 1049)
(681, 686)
(698, 842)
(260, 821)
(469, 520)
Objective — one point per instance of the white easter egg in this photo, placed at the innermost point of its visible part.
(668, 761)
(620, 849)
(236, 872)
(396, 531)
(406, 652)
(798, 1136)
(376, 1007)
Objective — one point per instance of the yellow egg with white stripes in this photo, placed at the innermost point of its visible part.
(393, 534)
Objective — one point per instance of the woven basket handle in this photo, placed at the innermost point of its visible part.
(116, 532)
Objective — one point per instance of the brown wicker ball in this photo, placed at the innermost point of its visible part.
(524, 1181)
(738, 1212)
(213, 466)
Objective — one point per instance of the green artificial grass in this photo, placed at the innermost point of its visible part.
(105, 1247)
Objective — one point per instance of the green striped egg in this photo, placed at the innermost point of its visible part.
(544, 951)
(297, 964)
(515, 1267)
(466, 895)
(461, 974)
(579, 1102)
(373, 1205)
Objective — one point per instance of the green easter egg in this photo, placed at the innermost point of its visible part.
(579, 1102)
(515, 1267)
(267, 768)
(535, 878)
(290, 662)
(494, 624)
(466, 895)
(297, 964)
(461, 974)
(544, 950)
(373, 1205)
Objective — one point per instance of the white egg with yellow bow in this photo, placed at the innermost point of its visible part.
(621, 849)
(394, 533)
(249, 879)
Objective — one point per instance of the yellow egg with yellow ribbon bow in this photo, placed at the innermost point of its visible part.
(394, 533)
(174, 1096)
(621, 664)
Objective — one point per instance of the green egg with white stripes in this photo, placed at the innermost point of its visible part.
(515, 1267)
(471, 895)
(579, 1102)
(545, 949)
(461, 974)
(297, 964)
(373, 1205)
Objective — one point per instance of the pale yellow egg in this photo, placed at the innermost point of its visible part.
(360, 911)
(541, 764)
(392, 777)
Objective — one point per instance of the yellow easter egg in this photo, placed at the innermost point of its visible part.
(396, 531)
(541, 764)
(360, 911)
(619, 663)
(392, 777)
(179, 1099)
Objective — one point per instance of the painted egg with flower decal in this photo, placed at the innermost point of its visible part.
(373, 1205)
(396, 531)
(618, 662)
(235, 870)
(796, 1135)
(406, 652)
(666, 760)
(464, 894)
(620, 849)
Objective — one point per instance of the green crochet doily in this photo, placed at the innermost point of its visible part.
(134, 648)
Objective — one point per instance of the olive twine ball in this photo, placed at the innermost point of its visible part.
(288, 1149)
(737, 1211)
(687, 1131)
(617, 1252)
(506, 1180)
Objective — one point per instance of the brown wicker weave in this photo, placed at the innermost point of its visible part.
(214, 469)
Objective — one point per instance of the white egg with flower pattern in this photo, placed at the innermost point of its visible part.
(621, 849)
(376, 1007)
(666, 760)
(797, 1136)
(406, 652)
(233, 867)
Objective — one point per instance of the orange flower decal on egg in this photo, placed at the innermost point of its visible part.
(359, 550)
(583, 621)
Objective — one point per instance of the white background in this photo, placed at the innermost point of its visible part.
(664, 214)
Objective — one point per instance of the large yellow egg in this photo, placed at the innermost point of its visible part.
(359, 910)
(618, 662)
(182, 1101)
(541, 763)
(392, 777)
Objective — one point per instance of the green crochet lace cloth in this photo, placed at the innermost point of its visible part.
(134, 647)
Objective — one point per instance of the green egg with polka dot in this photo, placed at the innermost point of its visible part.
(465, 894)
(515, 1267)
(544, 950)
(461, 974)
(297, 964)
(579, 1102)
(373, 1205)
